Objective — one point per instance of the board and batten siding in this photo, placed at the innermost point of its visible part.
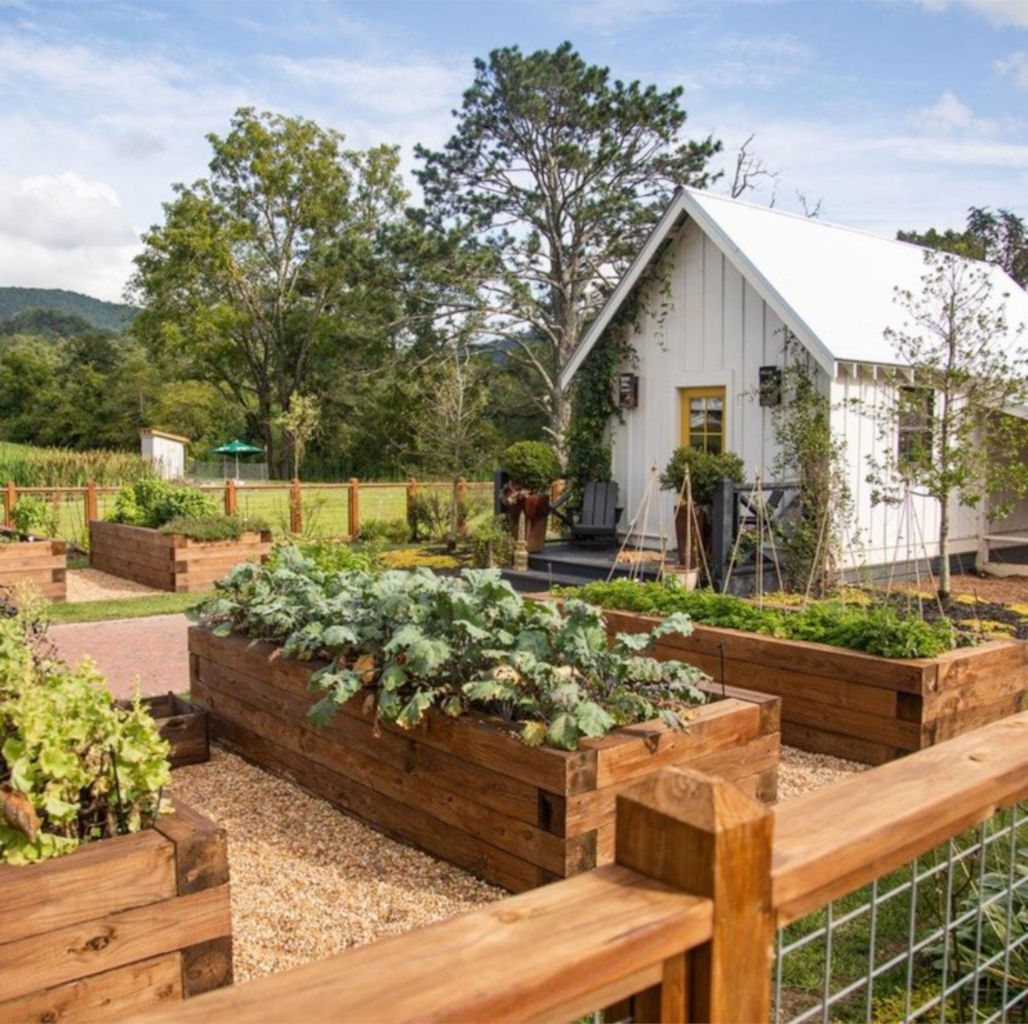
(885, 533)
(706, 328)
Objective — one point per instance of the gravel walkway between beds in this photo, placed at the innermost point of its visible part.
(800, 772)
(94, 585)
(309, 881)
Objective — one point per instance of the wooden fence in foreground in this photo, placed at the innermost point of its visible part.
(680, 928)
(317, 509)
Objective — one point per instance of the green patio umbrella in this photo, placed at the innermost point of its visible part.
(237, 448)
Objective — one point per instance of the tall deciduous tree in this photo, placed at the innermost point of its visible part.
(965, 369)
(270, 263)
(558, 173)
(999, 237)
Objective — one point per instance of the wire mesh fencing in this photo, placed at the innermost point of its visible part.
(944, 939)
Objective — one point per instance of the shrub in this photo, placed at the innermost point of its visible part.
(706, 471)
(214, 527)
(411, 641)
(153, 502)
(492, 544)
(532, 465)
(34, 516)
(393, 530)
(874, 630)
(75, 767)
(430, 514)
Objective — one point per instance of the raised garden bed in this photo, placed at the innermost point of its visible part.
(170, 561)
(183, 725)
(43, 563)
(463, 788)
(117, 927)
(849, 704)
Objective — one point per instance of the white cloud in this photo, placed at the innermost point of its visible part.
(608, 15)
(395, 90)
(63, 212)
(999, 12)
(948, 115)
(1016, 66)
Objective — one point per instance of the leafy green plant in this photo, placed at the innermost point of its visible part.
(153, 502)
(325, 556)
(73, 768)
(411, 641)
(214, 527)
(532, 465)
(877, 630)
(706, 471)
(431, 514)
(34, 516)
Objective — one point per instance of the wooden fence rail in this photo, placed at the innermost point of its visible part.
(680, 928)
(88, 497)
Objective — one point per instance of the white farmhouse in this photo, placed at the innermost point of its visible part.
(166, 452)
(734, 279)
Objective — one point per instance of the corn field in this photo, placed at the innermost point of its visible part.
(61, 467)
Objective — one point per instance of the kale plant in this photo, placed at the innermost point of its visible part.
(410, 641)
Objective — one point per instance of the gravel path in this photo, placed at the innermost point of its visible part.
(800, 772)
(94, 585)
(309, 881)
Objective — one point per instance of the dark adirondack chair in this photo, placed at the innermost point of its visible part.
(597, 517)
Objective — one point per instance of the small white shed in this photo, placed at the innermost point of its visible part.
(166, 452)
(734, 279)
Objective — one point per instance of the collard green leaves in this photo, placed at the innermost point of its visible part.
(415, 641)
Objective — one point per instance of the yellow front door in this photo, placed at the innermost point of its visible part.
(703, 418)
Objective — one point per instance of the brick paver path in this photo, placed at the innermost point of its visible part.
(152, 649)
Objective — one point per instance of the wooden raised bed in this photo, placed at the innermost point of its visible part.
(169, 561)
(43, 563)
(465, 789)
(182, 724)
(117, 927)
(853, 705)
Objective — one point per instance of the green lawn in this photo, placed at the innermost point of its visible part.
(122, 608)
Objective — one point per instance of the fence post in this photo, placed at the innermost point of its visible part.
(10, 497)
(354, 510)
(460, 505)
(706, 837)
(231, 504)
(412, 519)
(92, 507)
(295, 507)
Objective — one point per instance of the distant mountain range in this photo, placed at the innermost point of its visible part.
(23, 306)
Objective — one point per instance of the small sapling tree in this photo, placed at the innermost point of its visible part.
(300, 423)
(946, 424)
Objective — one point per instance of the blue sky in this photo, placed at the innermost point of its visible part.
(899, 113)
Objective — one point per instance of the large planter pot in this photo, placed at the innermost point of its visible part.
(465, 789)
(536, 509)
(853, 705)
(170, 561)
(119, 926)
(41, 563)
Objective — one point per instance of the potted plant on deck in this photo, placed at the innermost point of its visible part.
(693, 474)
(531, 467)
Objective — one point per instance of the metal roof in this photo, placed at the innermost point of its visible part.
(833, 286)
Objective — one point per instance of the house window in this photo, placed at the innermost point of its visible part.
(916, 419)
(703, 418)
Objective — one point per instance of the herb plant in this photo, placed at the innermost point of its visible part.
(410, 641)
(34, 516)
(877, 630)
(214, 527)
(72, 767)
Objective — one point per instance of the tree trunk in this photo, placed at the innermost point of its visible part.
(944, 580)
(560, 419)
